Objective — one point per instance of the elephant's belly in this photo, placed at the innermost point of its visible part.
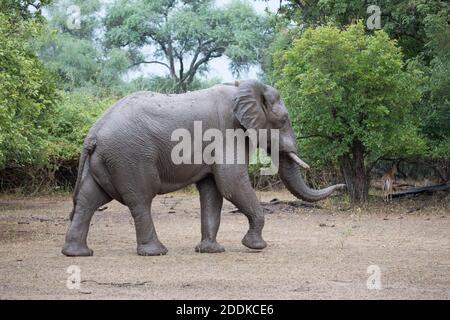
(181, 176)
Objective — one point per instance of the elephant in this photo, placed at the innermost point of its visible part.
(126, 156)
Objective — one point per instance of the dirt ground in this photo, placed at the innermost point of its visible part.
(314, 252)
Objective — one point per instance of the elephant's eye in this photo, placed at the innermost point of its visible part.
(279, 116)
(277, 107)
(282, 118)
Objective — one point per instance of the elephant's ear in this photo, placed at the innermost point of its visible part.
(249, 106)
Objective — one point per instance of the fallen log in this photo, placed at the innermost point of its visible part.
(426, 190)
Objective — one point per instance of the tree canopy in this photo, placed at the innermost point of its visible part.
(184, 36)
(405, 21)
(77, 55)
(351, 95)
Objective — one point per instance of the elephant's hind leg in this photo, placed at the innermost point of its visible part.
(211, 204)
(90, 197)
(136, 188)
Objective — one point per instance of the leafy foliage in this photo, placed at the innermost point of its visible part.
(77, 55)
(434, 109)
(349, 92)
(27, 93)
(19, 10)
(420, 29)
(71, 121)
(185, 35)
(402, 20)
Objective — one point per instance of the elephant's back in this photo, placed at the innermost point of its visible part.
(171, 109)
(150, 115)
(144, 103)
(128, 110)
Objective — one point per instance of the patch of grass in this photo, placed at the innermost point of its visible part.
(345, 234)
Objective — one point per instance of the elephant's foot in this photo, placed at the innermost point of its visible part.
(72, 249)
(209, 246)
(254, 241)
(151, 249)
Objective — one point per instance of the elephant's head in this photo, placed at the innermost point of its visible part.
(259, 106)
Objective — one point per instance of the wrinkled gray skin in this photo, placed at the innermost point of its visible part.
(127, 157)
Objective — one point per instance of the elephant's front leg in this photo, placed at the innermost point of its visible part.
(211, 204)
(234, 184)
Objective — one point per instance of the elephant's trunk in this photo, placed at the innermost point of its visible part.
(293, 180)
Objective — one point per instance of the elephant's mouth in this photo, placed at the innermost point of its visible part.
(293, 180)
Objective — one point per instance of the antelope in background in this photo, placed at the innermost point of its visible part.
(388, 181)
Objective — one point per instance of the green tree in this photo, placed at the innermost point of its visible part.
(27, 89)
(405, 20)
(21, 10)
(184, 36)
(76, 54)
(351, 95)
(420, 28)
(434, 109)
(71, 121)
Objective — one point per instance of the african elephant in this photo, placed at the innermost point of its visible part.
(126, 156)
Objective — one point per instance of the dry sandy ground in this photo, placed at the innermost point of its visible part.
(313, 253)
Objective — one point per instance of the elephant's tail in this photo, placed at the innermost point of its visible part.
(88, 148)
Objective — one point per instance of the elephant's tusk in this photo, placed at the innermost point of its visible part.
(237, 83)
(298, 161)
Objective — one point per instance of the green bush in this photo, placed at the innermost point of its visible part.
(60, 142)
(71, 121)
(27, 94)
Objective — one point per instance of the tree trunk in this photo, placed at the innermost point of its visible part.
(354, 171)
(182, 87)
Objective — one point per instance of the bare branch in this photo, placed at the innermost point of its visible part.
(149, 62)
(198, 51)
(213, 53)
